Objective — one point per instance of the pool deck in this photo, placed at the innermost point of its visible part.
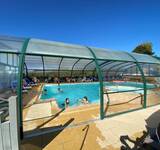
(98, 135)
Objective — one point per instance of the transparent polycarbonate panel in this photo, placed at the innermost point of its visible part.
(51, 63)
(127, 66)
(90, 65)
(120, 66)
(8, 75)
(3, 58)
(145, 58)
(154, 70)
(15, 57)
(131, 70)
(109, 66)
(33, 62)
(145, 68)
(67, 63)
(10, 59)
(82, 63)
(112, 55)
(153, 96)
(57, 48)
(11, 44)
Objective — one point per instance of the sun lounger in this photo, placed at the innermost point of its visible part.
(4, 108)
(33, 84)
(27, 87)
(24, 91)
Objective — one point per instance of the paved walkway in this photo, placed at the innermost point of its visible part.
(97, 135)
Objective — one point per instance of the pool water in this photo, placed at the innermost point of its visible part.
(77, 91)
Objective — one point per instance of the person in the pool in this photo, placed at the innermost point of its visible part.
(67, 102)
(45, 91)
(85, 100)
(60, 90)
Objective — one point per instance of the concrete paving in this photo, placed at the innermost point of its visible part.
(98, 135)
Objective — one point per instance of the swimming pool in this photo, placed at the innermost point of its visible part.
(77, 91)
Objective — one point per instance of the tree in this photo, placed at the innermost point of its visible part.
(144, 48)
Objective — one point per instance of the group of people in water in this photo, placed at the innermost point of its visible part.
(84, 100)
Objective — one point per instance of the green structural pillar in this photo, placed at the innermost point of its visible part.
(143, 78)
(19, 88)
(100, 82)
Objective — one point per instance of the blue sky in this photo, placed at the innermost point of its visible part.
(114, 24)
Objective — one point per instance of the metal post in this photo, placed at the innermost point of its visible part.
(43, 68)
(19, 88)
(100, 82)
(26, 69)
(59, 70)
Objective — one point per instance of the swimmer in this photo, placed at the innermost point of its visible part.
(85, 100)
(60, 90)
(45, 91)
(67, 102)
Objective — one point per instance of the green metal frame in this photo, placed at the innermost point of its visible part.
(131, 66)
(100, 82)
(43, 68)
(143, 78)
(59, 70)
(107, 62)
(86, 66)
(73, 67)
(26, 69)
(110, 69)
(19, 88)
(116, 72)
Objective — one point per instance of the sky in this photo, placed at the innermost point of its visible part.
(112, 24)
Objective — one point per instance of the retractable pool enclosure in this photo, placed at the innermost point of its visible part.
(21, 56)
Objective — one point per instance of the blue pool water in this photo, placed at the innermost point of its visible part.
(77, 91)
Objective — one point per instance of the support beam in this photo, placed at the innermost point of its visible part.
(73, 67)
(86, 66)
(59, 70)
(43, 68)
(104, 63)
(19, 88)
(100, 82)
(122, 67)
(129, 67)
(26, 69)
(109, 69)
